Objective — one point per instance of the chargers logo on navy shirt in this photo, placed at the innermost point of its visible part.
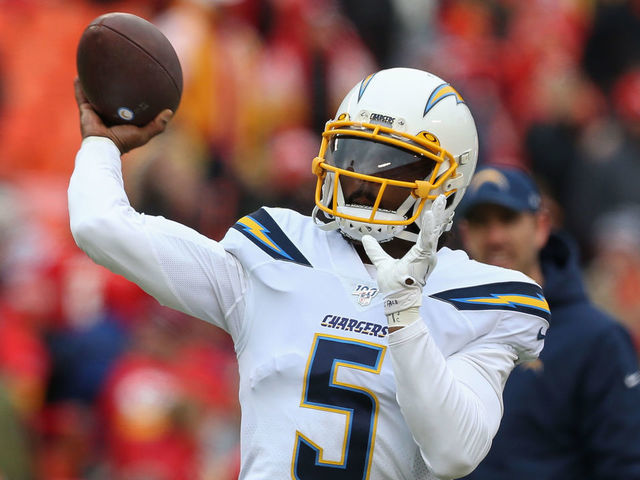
(262, 230)
(521, 296)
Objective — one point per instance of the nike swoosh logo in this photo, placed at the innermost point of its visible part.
(541, 336)
(632, 379)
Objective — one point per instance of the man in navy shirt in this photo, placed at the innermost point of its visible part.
(574, 413)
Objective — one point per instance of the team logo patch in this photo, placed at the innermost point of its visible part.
(364, 294)
(520, 296)
(632, 380)
(380, 119)
(443, 91)
(125, 113)
(489, 175)
(262, 230)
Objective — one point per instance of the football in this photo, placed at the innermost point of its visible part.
(128, 69)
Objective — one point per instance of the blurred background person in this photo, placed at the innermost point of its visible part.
(166, 408)
(572, 413)
(606, 177)
(613, 274)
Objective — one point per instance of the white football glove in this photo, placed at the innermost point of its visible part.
(401, 280)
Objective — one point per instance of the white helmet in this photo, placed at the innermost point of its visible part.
(400, 138)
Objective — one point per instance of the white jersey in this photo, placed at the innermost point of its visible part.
(325, 390)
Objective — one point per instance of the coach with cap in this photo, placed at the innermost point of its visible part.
(574, 413)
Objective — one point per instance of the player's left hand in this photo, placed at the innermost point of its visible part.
(401, 280)
(126, 137)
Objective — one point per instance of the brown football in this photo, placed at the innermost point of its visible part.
(128, 69)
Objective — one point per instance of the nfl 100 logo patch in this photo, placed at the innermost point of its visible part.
(364, 294)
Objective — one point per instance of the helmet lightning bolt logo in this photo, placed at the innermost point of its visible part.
(259, 232)
(509, 300)
(443, 91)
(364, 85)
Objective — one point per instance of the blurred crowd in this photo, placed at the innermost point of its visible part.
(98, 381)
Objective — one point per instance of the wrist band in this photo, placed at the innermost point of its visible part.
(403, 317)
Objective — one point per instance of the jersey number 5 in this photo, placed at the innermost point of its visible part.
(322, 391)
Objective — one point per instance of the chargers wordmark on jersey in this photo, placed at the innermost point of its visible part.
(262, 230)
(521, 296)
(365, 294)
(353, 325)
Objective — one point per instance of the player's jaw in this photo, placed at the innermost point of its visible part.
(364, 193)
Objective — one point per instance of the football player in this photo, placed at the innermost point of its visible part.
(364, 351)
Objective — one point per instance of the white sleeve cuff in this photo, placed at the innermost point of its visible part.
(95, 140)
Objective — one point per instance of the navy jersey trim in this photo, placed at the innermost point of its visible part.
(520, 296)
(262, 230)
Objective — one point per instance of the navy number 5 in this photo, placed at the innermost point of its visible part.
(323, 391)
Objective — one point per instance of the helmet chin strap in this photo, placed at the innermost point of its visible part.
(409, 236)
(335, 225)
(328, 226)
(355, 230)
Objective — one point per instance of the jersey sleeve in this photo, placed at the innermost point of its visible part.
(513, 313)
(453, 401)
(178, 266)
(451, 405)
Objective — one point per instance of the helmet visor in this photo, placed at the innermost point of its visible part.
(368, 157)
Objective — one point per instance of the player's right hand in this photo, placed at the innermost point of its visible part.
(125, 137)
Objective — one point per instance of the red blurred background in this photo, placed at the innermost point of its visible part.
(98, 381)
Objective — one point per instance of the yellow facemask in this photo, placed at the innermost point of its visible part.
(424, 145)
